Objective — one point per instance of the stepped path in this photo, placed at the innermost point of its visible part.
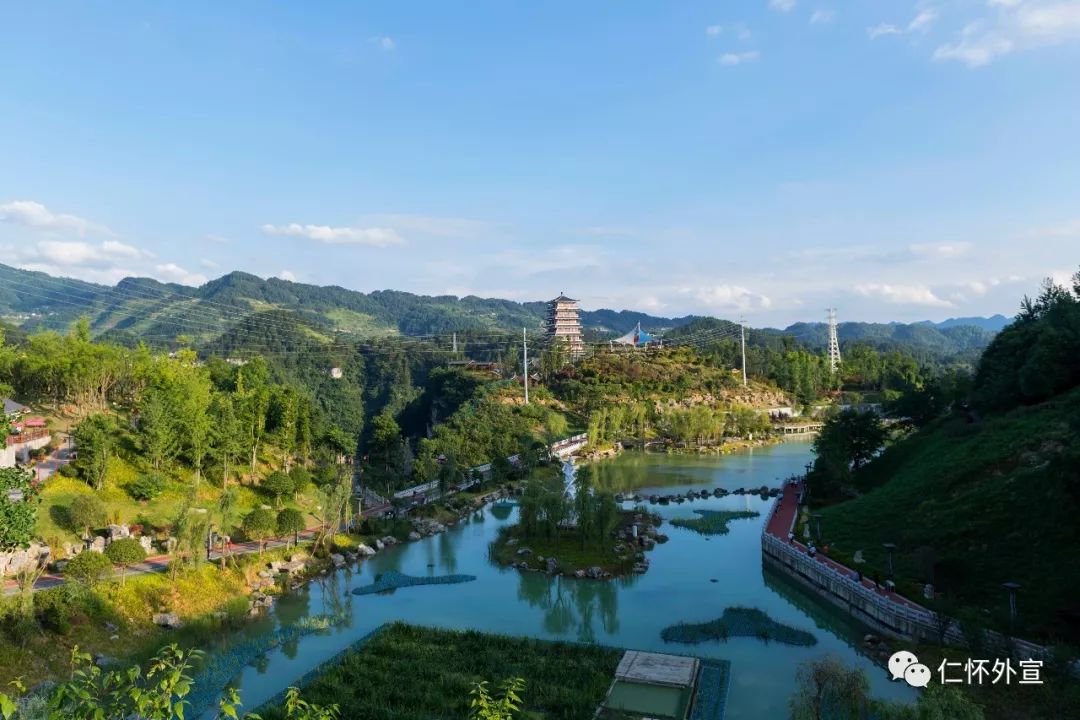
(782, 523)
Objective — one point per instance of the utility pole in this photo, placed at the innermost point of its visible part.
(834, 342)
(742, 336)
(525, 362)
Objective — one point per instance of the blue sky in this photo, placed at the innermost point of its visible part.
(899, 160)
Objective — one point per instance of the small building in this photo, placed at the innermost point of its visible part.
(652, 685)
(13, 409)
(564, 324)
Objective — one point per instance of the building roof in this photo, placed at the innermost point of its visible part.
(563, 298)
(657, 669)
(11, 407)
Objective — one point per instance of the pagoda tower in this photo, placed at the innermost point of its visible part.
(564, 324)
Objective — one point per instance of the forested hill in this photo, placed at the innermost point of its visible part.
(990, 492)
(147, 309)
(143, 307)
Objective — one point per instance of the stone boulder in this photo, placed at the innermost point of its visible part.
(147, 544)
(118, 532)
(522, 552)
(389, 541)
(551, 566)
(97, 544)
(414, 536)
(167, 620)
(364, 551)
(594, 573)
(337, 560)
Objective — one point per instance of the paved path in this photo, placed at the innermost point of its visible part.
(160, 563)
(783, 522)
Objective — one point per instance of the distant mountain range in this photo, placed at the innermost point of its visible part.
(143, 308)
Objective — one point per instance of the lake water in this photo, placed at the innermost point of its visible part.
(629, 612)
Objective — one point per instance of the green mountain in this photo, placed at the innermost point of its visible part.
(143, 308)
(990, 494)
(146, 308)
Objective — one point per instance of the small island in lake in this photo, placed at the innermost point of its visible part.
(586, 536)
(738, 622)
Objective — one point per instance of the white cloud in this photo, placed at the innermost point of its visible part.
(74, 253)
(31, 214)
(923, 20)
(373, 236)
(171, 272)
(437, 226)
(976, 46)
(822, 17)
(940, 251)
(1013, 25)
(217, 239)
(882, 30)
(729, 297)
(739, 58)
(714, 30)
(1070, 228)
(902, 294)
(920, 23)
(782, 5)
(287, 275)
(208, 264)
(385, 42)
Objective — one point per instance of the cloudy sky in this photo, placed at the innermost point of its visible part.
(896, 159)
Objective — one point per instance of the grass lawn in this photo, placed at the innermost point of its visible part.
(979, 504)
(416, 673)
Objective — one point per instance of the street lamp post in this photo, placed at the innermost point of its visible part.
(1012, 587)
(817, 526)
(890, 548)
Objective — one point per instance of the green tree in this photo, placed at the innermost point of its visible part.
(226, 439)
(95, 439)
(260, 524)
(826, 689)
(86, 512)
(277, 484)
(290, 522)
(584, 504)
(18, 508)
(158, 432)
(125, 552)
(88, 568)
(846, 442)
(296, 708)
(484, 706)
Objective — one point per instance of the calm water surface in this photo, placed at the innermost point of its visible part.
(625, 613)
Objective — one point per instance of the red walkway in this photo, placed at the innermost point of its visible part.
(782, 523)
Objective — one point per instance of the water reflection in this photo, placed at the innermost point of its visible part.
(573, 607)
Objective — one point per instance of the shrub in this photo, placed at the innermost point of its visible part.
(86, 512)
(147, 487)
(277, 484)
(290, 522)
(88, 568)
(57, 606)
(125, 553)
(259, 525)
(301, 478)
(68, 470)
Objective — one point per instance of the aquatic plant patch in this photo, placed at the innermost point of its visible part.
(738, 622)
(713, 522)
(392, 580)
(416, 673)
